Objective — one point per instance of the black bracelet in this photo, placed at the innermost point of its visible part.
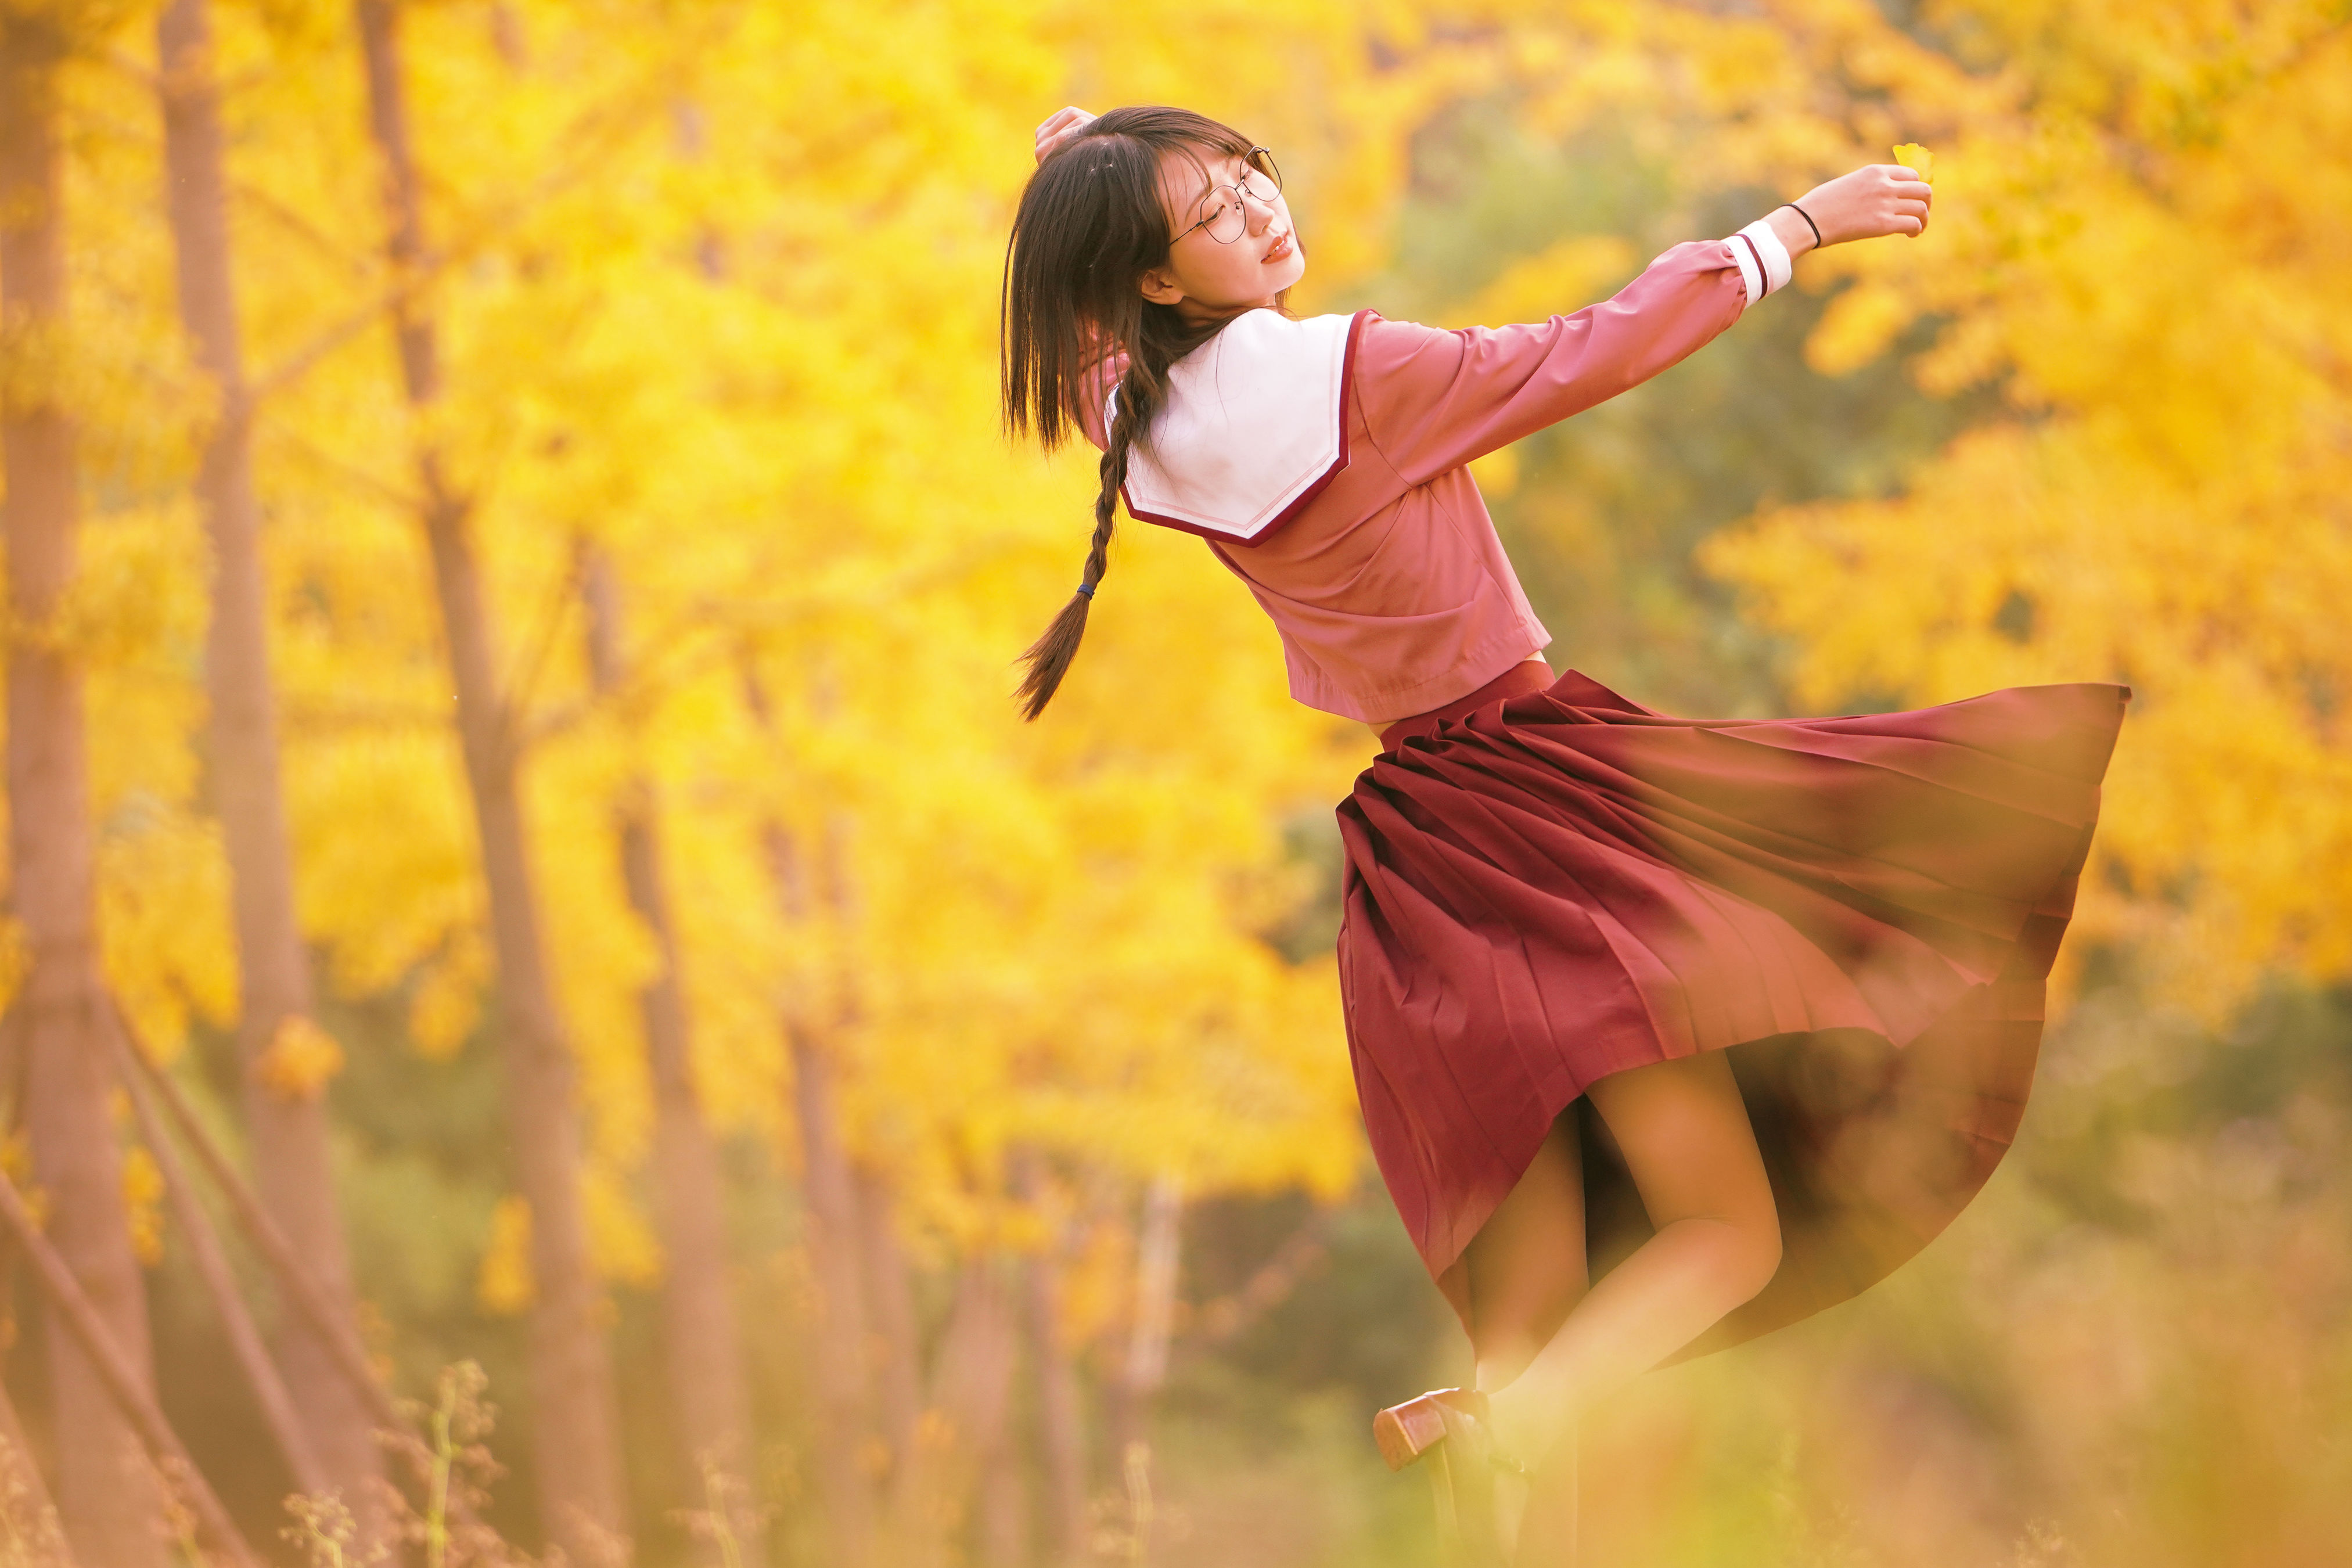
(1810, 224)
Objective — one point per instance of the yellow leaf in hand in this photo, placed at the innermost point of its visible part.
(1916, 158)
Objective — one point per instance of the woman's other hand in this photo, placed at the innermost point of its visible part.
(1877, 199)
(1065, 125)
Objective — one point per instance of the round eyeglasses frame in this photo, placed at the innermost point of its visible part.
(1260, 161)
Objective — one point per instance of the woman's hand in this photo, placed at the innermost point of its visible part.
(1877, 199)
(1065, 125)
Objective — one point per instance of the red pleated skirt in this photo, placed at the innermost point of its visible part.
(1561, 884)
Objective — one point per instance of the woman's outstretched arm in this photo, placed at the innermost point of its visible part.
(1435, 399)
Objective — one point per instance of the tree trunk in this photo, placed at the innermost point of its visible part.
(296, 1289)
(1060, 1440)
(279, 1412)
(704, 1355)
(899, 1350)
(1155, 1307)
(829, 1202)
(841, 1347)
(126, 1384)
(285, 1124)
(577, 1416)
(1003, 1535)
(107, 1495)
(963, 1421)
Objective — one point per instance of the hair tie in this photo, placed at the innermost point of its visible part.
(1087, 589)
(1809, 221)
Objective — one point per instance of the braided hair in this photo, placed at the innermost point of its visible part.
(1091, 224)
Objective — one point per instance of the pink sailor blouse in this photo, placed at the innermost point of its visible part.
(1323, 461)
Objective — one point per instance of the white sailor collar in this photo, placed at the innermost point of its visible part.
(1255, 425)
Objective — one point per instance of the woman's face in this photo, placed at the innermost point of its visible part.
(1207, 196)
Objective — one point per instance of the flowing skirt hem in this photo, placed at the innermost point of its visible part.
(1861, 911)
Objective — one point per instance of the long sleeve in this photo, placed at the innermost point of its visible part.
(1433, 399)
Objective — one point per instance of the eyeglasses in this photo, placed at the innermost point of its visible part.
(1225, 220)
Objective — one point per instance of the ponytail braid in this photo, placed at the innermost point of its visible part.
(1141, 392)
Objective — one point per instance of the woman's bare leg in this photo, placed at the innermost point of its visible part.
(1527, 1272)
(1684, 1131)
(1526, 1265)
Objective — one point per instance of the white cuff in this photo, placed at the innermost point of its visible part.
(1764, 265)
(1751, 275)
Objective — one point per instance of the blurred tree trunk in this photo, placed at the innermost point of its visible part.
(963, 1421)
(285, 1120)
(1003, 1535)
(698, 1334)
(829, 1216)
(829, 1202)
(841, 1349)
(1155, 1304)
(576, 1410)
(107, 1496)
(893, 1343)
(891, 1294)
(1060, 1441)
(279, 1412)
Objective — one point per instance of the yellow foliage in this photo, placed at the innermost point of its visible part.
(1562, 277)
(16, 1166)
(1497, 472)
(2143, 249)
(163, 918)
(1859, 324)
(15, 960)
(445, 1002)
(301, 1060)
(1099, 1284)
(503, 1285)
(1917, 159)
(142, 1202)
(620, 1245)
(761, 383)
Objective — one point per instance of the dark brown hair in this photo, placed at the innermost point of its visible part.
(1090, 224)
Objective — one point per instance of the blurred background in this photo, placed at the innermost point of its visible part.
(548, 997)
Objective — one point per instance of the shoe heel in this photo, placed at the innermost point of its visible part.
(1462, 1472)
(1405, 1432)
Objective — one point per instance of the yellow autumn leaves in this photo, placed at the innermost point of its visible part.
(2141, 252)
(746, 353)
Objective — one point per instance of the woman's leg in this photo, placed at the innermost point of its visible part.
(1527, 1272)
(1683, 1129)
(1526, 1265)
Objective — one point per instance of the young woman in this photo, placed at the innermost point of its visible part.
(1668, 1033)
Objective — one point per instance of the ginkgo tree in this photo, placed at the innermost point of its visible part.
(2136, 240)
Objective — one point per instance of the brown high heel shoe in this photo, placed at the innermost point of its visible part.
(1450, 1428)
